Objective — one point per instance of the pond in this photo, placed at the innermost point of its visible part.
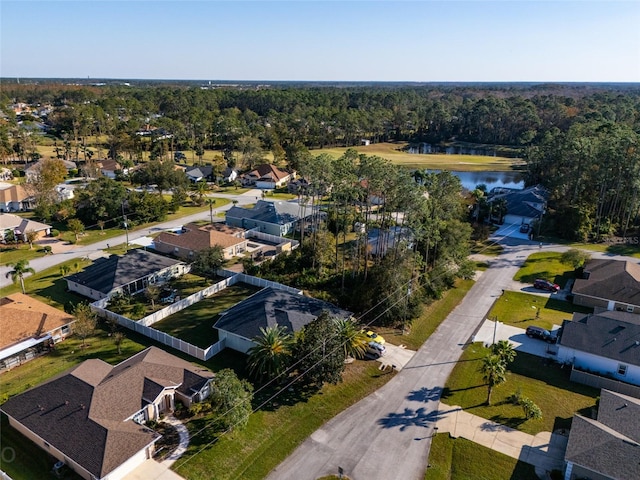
(470, 180)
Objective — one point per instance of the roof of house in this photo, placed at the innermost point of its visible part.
(607, 334)
(279, 213)
(200, 172)
(68, 164)
(268, 172)
(198, 238)
(85, 412)
(12, 193)
(271, 307)
(8, 220)
(608, 445)
(109, 165)
(105, 274)
(23, 317)
(611, 280)
(528, 202)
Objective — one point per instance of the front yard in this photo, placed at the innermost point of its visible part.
(545, 265)
(546, 384)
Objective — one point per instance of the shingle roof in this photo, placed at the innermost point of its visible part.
(13, 193)
(8, 220)
(105, 274)
(279, 213)
(611, 280)
(609, 445)
(525, 202)
(268, 171)
(606, 334)
(83, 413)
(269, 307)
(200, 172)
(198, 238)
(22, 317)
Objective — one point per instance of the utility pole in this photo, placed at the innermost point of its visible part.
(126, 229)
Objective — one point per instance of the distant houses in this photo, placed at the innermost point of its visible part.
(21, 227)
(14, 198)
(267, 176)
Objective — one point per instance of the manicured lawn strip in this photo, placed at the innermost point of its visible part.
(432, 316)
(194, 324)
(545, 265)
(462, 459)
(272, 435)
(546, 384)
(626, 249)
(49, 286)
(519, 310)
(486, 247)
(18, 252)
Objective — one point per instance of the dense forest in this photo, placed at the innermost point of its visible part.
(579, 141)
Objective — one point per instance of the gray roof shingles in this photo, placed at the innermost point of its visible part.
(269, 307)
(278, 213)
(611, 280)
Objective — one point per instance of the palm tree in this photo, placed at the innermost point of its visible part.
(64, 270)
(354, 340)
(211, 202)
(494, 372)
(504, 351)
(271, 354)
(19, 269)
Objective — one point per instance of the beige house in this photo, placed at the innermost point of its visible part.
(92, 417)
(28, 328)
(195, 238)
(20, 226)
(14, 198)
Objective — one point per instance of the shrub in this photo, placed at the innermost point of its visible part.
(54, 232)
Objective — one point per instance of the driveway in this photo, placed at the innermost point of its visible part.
(515, 335)
(396, 357)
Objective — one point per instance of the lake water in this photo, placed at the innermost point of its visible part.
(470, 180)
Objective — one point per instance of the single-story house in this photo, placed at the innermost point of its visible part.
(523, 206)
(195, 238)
(267, 177)
(28, 327)
(64, 192)
(34, 169)
(130, 273)
(109, 167)
(275, 218)
(607, 447)
(14, 198)
(20, 226)
(228, 175)
(239, 325)
(605, 344)
(610, 284)
(92, 417)
(198, 174)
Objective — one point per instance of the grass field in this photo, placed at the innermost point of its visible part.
(462, 459)
(545, 265)
(546, 384)
(394, 153)
(520, 309)
(194, 324)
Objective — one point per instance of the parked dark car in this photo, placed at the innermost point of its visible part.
(541, 334)
(524, 228)
(542, 284)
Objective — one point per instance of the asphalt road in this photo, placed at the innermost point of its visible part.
(95, 249)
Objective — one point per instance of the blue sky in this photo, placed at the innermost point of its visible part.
(332, 40)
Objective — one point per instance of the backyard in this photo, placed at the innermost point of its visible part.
(194, 324)
(545, 383)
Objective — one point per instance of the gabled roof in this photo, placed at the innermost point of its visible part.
(611, 280)
(608, 445)
(271, 307)
(606, 334)
(198, 238)
(200, 172)
(105, 274)
(109, 165)
(23, 317)
(278, 213)
(85, 412)
(528, 202)
(268, 172)
(8, 220)
(12, 193)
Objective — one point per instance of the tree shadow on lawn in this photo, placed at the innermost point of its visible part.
(274, 397)
(448, 392)
(511, 422)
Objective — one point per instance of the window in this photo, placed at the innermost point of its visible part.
(622, 369)
(139, 418)
(65, 330)
(630, 308)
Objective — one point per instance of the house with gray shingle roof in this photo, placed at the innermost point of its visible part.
(275, 218)
(92, 417)
(607, 447)
(610, 284)
(605, 344)
(129, 273)
(523, 206)
(239, 325)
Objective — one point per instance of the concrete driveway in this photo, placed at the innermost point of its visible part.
(396, 357)
(515, 335)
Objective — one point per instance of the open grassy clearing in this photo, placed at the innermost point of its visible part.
(432, 316)
(394, 152)
(462, 459)
(194, 324)
(536, 378)
(545, 265)
(274, 432)
(521, 310)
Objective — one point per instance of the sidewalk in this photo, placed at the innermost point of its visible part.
(544, 451)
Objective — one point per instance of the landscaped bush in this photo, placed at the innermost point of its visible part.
(54, 233)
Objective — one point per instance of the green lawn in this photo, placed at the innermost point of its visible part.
(486, 247)
(194, 324)
(11, 254)
(462, 459)
(274, 432)
(545, 265)
(432, 316)
(546, 384)
(521, 310)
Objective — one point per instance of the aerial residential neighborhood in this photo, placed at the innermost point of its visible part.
(319, 240)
